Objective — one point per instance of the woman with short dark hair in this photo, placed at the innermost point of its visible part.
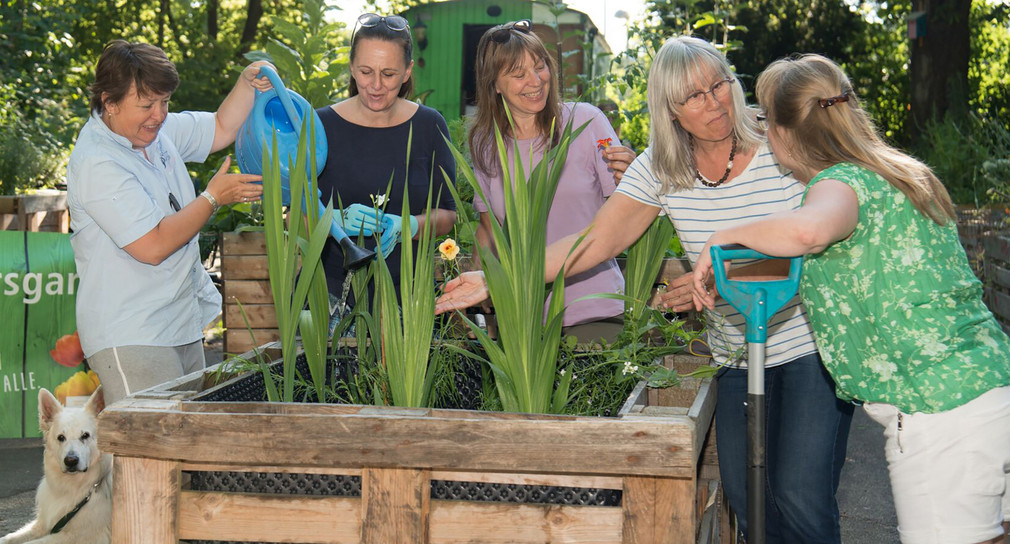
(145, 297)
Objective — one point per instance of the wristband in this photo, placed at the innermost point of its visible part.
(213, 201)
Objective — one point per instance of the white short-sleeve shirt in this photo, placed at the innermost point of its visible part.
(116, 196)
(697, 213)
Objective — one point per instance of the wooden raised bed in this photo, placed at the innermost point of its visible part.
(163, 442)
(45, 211)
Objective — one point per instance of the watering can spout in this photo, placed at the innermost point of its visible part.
(355, 256)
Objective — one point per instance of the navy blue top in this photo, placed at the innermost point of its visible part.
(359, 163)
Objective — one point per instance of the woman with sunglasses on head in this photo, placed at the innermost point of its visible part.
(145, 297)
(367, 163)
(708, 167)
(895, 307)
(515, 71)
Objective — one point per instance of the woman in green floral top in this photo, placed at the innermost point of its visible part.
(896, 311)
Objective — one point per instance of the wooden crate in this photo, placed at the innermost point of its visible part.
(651, 453)
(45, 211)
(246, 279)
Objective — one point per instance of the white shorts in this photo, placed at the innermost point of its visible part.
(950, 472)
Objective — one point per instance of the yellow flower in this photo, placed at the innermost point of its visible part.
(81, 384)
(448, 249)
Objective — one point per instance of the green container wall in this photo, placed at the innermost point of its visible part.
(443, 58)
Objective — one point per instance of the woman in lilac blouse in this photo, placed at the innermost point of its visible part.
(514, 69)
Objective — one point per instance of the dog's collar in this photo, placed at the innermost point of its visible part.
(70, 515)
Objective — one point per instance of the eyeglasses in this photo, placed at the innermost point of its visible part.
(393, 22)
(718, 90)
(504, 34)
(828, 102)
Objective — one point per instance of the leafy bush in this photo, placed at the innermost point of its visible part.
(30, 156)
(969, 154)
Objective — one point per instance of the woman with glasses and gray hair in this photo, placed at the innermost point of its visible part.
(368, 163)
(514, 71)
(895, 307)
(708, 167)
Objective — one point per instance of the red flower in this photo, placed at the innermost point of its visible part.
(604, 143)
(68, 351)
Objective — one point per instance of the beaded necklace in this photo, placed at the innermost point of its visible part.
(729, 167)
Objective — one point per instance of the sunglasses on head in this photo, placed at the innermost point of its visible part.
(504, 34)
(393, 22)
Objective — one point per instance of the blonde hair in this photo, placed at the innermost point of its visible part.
(680, 65)
(494, 59)
(791, 91)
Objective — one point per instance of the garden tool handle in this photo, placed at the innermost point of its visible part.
(282, 94)
(757, 300)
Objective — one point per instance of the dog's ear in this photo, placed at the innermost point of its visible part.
(49, 407)
(96, 403)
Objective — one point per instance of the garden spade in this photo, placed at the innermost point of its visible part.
(757, 300)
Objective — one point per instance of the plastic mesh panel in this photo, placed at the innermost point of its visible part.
(526, 494)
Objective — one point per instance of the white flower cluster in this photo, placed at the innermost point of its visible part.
(629, 368)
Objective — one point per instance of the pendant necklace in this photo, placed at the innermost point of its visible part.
(729, 167)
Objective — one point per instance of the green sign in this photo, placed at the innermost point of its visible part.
(38, 286)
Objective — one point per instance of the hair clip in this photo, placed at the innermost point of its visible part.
(828, 102)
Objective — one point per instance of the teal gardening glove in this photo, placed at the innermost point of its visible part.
(368, 221)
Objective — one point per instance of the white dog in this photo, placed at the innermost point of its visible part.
(74, 499)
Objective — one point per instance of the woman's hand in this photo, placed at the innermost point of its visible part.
(679, 294)
(701, 276)
(466, 290)
(231, 188)
(251, 75)
(618, 159)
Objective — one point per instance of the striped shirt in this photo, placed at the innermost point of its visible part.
(697, 213)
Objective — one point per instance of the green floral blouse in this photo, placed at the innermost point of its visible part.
(896, 311)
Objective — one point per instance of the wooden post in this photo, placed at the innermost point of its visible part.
(144, 500)
(658, 510)
(395, 505)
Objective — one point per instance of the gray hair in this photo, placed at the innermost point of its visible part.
(678, 67)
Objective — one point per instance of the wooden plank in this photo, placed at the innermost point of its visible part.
(999, 304)
(245, 267)
(36, 203)
(8, 204)
(144, 494)
(997, 248)
(219, 467)
(642, 445)
(457, 522)
(394, 505)
(239, 340)
(248, 292)
(248, 517)
(999, 275)
(658, 510)
(243, 243)
(259, 316)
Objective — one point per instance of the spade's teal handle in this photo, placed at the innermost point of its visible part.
(757, 300)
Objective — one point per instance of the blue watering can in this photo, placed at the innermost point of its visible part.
(281, 112)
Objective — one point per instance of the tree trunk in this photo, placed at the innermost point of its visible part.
(212, 6)
(163, 8)
(938, 74)
(254, 12)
